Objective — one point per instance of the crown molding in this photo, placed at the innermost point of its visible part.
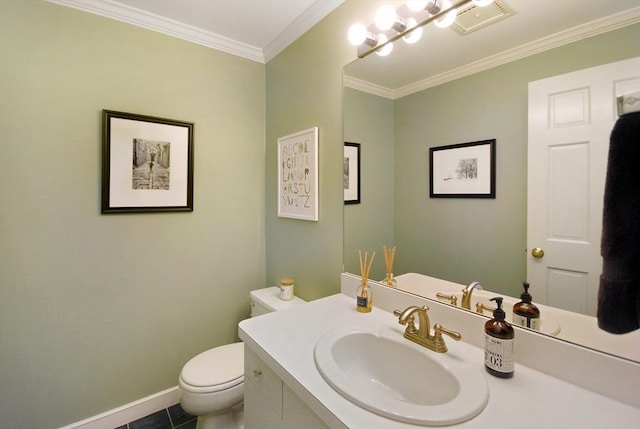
(114, 10)
(314, 14)
(571, 35)
(151, 21)
(371, 88)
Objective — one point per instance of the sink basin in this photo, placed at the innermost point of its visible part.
(393, 377)
(548, 325)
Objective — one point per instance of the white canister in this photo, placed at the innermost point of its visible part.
(286, 289)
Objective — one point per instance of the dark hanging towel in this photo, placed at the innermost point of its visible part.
(619, 292)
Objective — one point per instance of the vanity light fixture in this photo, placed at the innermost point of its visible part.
(448, 18)
(385, 48)
(360, 35)
(415, 35)
(387, 18)
(405, 22)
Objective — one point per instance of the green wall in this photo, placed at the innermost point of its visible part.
(304, 89)
(476, 239)
(97, 311)
(368, 120)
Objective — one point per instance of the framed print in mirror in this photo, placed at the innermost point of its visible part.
(147, 164)
(351, 177)
(298, 175)
(465, 170)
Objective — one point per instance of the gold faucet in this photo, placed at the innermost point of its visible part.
(466, 294)
(422, 334)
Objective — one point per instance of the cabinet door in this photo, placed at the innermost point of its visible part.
(262, 394)
(296, 414)
(258, 412)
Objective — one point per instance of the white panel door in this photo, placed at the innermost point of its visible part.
(570, 120)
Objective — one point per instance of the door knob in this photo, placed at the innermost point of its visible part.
(537, 252)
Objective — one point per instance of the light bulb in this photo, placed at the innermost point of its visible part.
(414, 35)
(357, 34)
(385, 17)
(416, 5)
(482, 3)
(386, 50)
(449, 18)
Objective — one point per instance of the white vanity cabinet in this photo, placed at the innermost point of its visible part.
(289, 392)
(269, 403)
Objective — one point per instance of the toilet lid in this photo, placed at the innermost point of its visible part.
(219, 365)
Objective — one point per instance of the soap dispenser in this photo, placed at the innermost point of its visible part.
(525, 313)
(499, 348)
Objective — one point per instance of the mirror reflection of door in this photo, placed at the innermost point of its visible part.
(570, 120)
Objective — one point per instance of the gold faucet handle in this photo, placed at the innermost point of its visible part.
(480, 307)
(438, 342)
(453, 300)
(439, 330)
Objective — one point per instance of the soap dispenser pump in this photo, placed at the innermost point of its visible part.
(499, 344)
(524, 312)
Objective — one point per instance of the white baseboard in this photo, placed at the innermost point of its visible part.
(130, 412)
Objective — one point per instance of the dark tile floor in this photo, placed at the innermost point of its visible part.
(171, 418)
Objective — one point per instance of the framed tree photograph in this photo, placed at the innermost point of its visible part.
(465, 170)
(298, 175)
(351, 177)
(147, 164)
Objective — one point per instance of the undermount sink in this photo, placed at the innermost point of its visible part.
(384, 373)
(548, 325)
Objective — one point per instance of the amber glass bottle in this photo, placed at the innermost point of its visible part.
(499, 344)
(524, 312)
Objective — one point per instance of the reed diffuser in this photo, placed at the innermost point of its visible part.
(364, 296)
(389, 256)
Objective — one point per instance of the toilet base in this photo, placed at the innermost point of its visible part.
(232, 419)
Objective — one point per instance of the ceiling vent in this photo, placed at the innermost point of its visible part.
(473, 18)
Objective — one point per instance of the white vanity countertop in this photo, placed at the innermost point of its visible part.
(285, 340)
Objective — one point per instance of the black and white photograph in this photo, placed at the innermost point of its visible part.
(465, 170)
(151, 162)
(147, 164)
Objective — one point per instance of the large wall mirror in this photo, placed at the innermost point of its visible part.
(451, 88)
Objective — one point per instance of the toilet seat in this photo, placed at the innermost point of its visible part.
(214, 370)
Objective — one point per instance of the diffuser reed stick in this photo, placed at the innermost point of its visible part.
(389, 256)
(365, 266)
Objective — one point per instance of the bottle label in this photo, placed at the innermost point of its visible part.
(498, 354)
(362, 301)
(527, 322)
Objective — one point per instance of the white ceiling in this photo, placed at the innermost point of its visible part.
(260, 29)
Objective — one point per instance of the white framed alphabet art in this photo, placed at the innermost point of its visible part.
(298, 175)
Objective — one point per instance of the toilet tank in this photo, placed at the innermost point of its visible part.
(267, 300)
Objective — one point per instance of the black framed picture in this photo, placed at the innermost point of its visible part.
(465, 170)
(147, 164)
(351, 178)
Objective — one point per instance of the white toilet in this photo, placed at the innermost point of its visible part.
(212, 383)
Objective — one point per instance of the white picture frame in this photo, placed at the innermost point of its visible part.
(298, 175)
